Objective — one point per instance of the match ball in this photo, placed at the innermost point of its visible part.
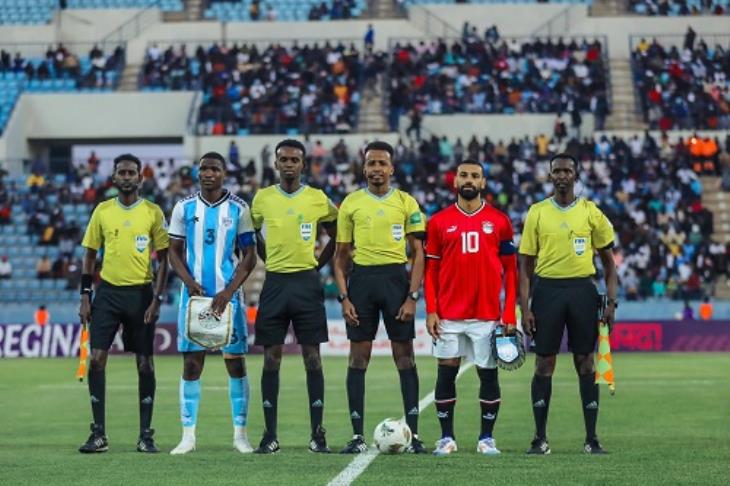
(392, 436)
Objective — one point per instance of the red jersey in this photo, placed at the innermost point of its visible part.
(467, 257)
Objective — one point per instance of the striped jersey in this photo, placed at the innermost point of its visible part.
(212, 231)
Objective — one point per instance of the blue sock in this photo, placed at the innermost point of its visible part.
(189, 402)
(238, 393)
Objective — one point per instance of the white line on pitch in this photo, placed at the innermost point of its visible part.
(358, 465)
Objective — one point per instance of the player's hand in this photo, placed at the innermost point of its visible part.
(509, 329)
(528, 322)
(152, 313)
(349, 313)
(85, 309)
(406, 311)
(194, 288)
(609, 315)
(220, 301)
(433, 325)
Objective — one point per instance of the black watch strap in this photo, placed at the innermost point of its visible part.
(341, 298)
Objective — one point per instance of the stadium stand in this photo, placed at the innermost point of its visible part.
(679, 7)
(275, 89)
(59, 71)
(683, 88)
(496, 75)
(283, 10)
(663, 230)
(33, 12)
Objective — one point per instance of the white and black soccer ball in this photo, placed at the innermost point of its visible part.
(392, 436)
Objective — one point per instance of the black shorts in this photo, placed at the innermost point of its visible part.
(379, 289)
(114, 305)
(296, 298)
(561, 303)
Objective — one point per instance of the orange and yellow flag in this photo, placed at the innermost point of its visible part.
(83, 353)
(604, 361)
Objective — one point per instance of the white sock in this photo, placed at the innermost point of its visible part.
(239, 432)
(189, 432)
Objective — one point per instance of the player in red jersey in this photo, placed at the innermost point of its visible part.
(470, 258)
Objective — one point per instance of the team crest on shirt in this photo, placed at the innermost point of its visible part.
(397, 231)
(227, 222)
(579, 245)
(488, 227)
(141, 242)
(305, 230)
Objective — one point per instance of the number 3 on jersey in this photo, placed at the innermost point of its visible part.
(469, 242)
(209, 236)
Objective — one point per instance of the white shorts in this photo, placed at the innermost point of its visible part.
(469, 339)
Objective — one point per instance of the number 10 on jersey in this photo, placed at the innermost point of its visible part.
(469, 242)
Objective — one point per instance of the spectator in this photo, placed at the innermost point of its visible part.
(271, 13)
(706, 309)
(41, 316)
(254, 11)
(415, 125)
(6, 268)
(43, 267)
(369, 38)
(687, 312)
(233, 156)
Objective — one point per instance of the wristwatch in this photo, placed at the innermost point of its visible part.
(160, 298)
(415, 295)
(341, 298)
(614, 302)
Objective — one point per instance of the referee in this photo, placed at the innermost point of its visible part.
(290, 214)
(558, 241)
(376, 222)
(127, 228)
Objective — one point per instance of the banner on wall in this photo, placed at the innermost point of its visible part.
(62, 340)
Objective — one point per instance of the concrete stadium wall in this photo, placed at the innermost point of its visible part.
(511, 19)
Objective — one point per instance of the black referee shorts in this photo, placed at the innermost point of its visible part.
(561, 303)
(296, 298)
(126, 305)
(379, 289)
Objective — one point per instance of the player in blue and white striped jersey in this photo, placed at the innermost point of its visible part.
(205, 231)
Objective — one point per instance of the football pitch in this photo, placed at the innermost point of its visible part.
(669, 423)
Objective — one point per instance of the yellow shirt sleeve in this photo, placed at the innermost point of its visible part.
(257, 217)
(345, 224)
(330, 210)
(602, 229)
(415, 219)
(160, 238)
(94, 236)
(528, 241)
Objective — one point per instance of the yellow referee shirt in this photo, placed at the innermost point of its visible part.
(378, 225)
(291, 225)
(126, 234)
(563, 239)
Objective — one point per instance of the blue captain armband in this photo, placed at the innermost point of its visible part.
(246, 239)
(507, 248)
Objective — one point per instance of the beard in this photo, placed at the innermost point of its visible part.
(469, 193)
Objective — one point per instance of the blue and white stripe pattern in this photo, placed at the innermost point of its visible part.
(212, 231)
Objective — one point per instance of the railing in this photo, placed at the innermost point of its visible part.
(558, 24)
(431, 24)
(39, 49)
(133, 27)
(192, 44)
(677, 40)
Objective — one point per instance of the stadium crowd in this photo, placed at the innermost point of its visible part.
(683, 88)
(493, 75)
(61, 63)
(679, 7)
(275, 89)
(648, 187)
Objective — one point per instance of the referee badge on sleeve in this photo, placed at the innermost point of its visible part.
(579, 245)
(305, 230)
(397, 231)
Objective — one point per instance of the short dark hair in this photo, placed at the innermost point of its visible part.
(291, 143)
(379, 145)
(564, 156)
(471, 162)
(127, 158)
(215, 156)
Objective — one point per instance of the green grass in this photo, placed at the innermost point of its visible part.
(668, 424)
